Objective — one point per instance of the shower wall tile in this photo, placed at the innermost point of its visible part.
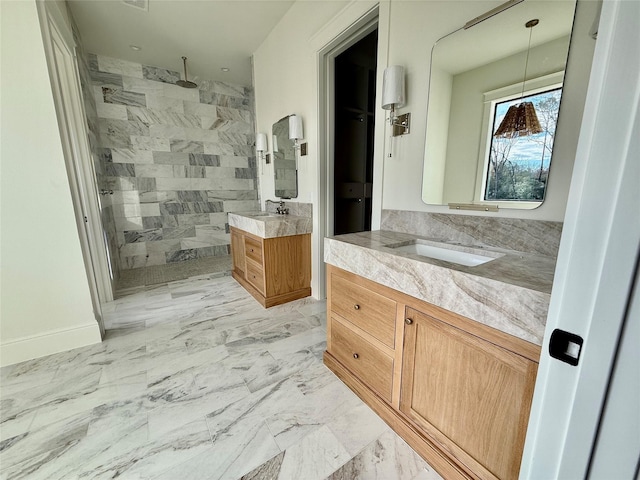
(160, 102)
(149, 209)
(123, 97)
(186, 94)
(122, 67)
(186, 146)
(200, 135)
(177, 159)
(218, 149)
(235, 162)
(171, 158)
(110, 110)
(128, 155)
(204, 159)
(156, 144)
(132, 249)
(225, 89)
(141, 86)
(160, 74)
(171, 132)
(233, 195)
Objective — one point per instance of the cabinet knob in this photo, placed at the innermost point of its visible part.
(252, 249)
(356, 306)
(408, 321)
(356, 356)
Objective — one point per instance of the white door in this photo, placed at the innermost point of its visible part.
(65, 81)
(595, 271)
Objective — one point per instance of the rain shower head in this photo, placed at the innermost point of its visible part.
(185, 83)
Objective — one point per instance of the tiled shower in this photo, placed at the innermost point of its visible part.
(170, 161)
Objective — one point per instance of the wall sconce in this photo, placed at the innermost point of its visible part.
(261, 147)
(295, 130)
(393, 97)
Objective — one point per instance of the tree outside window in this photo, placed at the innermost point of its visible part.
(518, 167)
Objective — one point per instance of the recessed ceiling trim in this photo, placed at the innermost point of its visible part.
(139, 4)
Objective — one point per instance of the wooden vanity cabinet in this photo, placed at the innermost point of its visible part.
(471, 395)
(274, 270)
(457, 391)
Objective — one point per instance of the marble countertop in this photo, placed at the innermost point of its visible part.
(510, 293)
(270, 225)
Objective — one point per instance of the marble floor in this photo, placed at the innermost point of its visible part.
(195, 380)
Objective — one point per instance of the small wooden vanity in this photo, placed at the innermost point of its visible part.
(274, 270)
(457, 391)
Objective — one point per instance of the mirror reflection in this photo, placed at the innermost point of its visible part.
(476, 75)
(284, 160)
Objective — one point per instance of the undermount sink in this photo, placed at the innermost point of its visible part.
(262, 214)
(469, 257)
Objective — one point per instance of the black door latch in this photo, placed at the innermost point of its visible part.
(565, 346)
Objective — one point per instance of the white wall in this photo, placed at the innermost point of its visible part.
(45, 304)
(286, 82)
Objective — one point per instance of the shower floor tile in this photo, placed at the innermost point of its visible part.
(196, 380)
(134, 278)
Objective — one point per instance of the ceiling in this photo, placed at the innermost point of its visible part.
(212, 33)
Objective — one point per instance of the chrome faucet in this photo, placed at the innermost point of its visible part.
(281, 210)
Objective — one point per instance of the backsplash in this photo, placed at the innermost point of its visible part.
(295, 208)
(531, 236)
(176, 159)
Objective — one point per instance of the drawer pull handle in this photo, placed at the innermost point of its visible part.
(408, 321)
(356, 356)
(356, 306)
(252, 250)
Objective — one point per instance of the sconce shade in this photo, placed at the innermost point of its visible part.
(521, 120)
(393, 87)
(295, 127)
(261, 142)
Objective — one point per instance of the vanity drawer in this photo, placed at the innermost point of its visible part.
(255, 276)
(372, 312)
(253, 249)
(371, 365)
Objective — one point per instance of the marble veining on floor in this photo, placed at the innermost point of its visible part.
(196, 380)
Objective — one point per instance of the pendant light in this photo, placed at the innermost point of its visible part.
(521, 120)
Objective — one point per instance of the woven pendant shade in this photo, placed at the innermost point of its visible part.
(521, 120)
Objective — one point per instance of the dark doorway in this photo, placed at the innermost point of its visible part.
(355, 93)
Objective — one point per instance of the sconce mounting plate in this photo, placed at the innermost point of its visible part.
(401, 124)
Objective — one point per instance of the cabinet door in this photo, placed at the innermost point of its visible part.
(472, 396)
(237, 252)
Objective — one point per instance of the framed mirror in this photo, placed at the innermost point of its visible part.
(284, 160)
(477, 73)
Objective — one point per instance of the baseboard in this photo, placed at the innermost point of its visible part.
(35, 346)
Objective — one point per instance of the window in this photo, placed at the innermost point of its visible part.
(517, 168)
